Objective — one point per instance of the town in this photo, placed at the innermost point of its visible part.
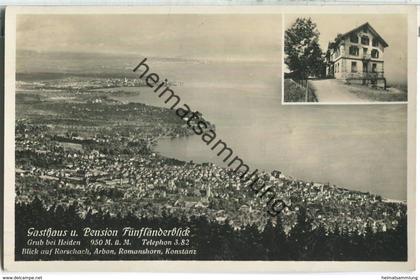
(101, 155)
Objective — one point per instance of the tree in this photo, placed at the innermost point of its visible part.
(302, 237)
(336, 43)
(304, 55)
(281, 249)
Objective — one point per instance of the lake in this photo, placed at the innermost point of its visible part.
(360, 147)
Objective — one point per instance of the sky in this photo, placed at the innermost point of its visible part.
(208, 37)
(391, 27)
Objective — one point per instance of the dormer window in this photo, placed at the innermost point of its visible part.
(354, 38)
(365, 40)
(375, 43)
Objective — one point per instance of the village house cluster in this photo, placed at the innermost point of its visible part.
(63, 169)
(85, 84)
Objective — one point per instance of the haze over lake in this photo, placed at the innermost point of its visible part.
(361, 147)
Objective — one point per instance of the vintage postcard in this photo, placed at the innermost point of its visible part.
(168, 138)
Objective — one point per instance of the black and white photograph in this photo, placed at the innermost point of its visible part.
(149, 138)
(345, 59)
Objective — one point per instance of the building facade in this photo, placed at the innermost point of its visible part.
(357, 55)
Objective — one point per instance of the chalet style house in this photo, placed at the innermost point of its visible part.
(357, 55)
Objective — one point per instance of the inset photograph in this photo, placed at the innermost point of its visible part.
(342, 59)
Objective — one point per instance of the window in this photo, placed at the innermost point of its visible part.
(365, 40)
(338, 67)
(354, 50)
(354, 38)
(374, 67)
(375, 53)
(353, 66)
(375, 42)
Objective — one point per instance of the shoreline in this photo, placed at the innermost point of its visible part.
(153, 143)
(166, 137)
(153, 148)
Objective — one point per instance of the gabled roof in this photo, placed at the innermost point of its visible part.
(371, 30)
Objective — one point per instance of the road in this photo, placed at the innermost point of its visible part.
(331, 90)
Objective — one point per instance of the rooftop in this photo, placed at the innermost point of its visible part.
(367, 25)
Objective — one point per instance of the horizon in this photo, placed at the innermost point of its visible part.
(203, 36)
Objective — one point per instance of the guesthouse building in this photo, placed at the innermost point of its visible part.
(357, 55)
